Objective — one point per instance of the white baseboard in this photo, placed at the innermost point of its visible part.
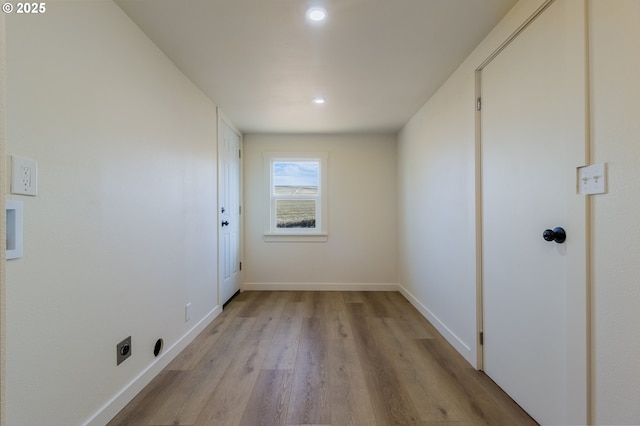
(122, 398)
(320, 287)
(452, 338)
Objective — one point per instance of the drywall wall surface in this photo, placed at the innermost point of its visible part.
(361, 247)
(122, 233)
(436, 183)
(436, 190)
(615, 112)
(3, 223)
(437, 224)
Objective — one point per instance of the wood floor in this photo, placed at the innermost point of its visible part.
(321, 358)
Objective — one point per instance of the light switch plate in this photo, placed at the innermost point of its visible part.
(24, 176)
(592, 179)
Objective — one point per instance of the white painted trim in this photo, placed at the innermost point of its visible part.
(320, 233)
(311, 238)
(222, 118)
(122, 398)
(321, 286)
(448, 334)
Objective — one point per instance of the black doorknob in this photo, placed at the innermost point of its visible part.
(557, 234)
(225, 223)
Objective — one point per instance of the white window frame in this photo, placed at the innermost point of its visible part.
(271, 231)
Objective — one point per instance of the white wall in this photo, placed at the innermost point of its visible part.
(361, 249)
(2, 219)
(436, 190)
(122, 233)
(90, 96)
(615, 91)
(437, 216)
(436, 199)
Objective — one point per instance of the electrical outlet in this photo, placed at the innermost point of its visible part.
(123, 350)
(24, 176)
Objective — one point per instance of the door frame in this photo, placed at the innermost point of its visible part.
(579, 309)
(220, 119)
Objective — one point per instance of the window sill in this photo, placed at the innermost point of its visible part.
(295, 238)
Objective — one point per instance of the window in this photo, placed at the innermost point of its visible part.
(297, 196)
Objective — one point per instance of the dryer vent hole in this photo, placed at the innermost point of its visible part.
(157, 349)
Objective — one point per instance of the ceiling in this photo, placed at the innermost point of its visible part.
(375, 61)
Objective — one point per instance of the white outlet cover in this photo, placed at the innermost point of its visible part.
(592, 179)
(24, 176)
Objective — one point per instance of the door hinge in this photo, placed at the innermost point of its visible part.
(478, 104)
(239, 153)
(239, 209)
(241, 266)
(481, 338)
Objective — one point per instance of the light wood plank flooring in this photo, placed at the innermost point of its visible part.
(321, 358)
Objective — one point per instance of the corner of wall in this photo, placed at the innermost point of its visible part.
(459, 344)
(2, 219)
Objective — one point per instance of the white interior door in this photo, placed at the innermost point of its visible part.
(229, 213)
(534, 291)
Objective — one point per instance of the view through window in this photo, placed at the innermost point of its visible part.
(296, 193)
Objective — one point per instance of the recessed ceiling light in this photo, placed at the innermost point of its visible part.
(319, 100)
(316, 14)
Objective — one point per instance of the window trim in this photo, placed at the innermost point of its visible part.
(271, 232)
